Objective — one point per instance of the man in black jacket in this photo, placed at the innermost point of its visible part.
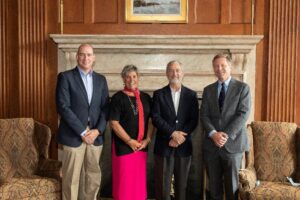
(175, 115)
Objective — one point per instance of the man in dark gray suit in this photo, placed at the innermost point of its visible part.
(224, 111)
(82, 103)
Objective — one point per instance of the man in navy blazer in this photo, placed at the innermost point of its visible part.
(82, 102)
(224, 111)
(175, 115)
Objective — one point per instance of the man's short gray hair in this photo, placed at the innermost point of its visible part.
(172, 62)
(129, 68)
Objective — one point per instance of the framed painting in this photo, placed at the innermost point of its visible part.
(156, 11)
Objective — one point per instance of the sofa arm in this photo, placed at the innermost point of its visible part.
(247, 179)
(50, 168)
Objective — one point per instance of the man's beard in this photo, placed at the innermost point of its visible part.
(175, 81)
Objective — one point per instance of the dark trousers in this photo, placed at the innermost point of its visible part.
(164, 168)
(222, 168)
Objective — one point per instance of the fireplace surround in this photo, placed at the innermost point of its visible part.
(151, 53)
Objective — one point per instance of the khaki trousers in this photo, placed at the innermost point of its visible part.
(83, 159)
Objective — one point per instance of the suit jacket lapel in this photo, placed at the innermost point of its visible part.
(96, 84)
(168, 98)
(78, 79)
(230, 90)
(215, 96)
(181, 100)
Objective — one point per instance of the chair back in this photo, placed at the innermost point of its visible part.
(274, 146)
(18, 150)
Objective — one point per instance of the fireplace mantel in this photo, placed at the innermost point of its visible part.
(240, 43)
(151, 53)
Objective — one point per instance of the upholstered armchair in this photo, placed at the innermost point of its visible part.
(274, 155)
(26, 172)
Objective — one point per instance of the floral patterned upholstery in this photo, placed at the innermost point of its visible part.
(274, 191)
(274, 155)
(26, 172)
(29, 187)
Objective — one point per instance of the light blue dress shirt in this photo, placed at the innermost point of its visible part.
(87, 79)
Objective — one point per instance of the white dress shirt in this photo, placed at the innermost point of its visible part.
(175, 97)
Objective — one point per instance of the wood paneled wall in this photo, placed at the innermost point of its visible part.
(204, 17)
(25, 84)
(23, 59)
(4, 73)
(8, 93)
(31, 57)
(28, 58)
(283, 55)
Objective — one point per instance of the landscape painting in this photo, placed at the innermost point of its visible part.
(156, 11)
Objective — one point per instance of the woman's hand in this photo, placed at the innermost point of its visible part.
(134, 144)
(144, 143)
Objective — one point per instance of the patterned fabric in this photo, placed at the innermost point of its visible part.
(297, 177)
(247, 179)
(18, 153)
(250, 154)
(297, 196)
(23, 156)
(35, 186)
(274, 191)
(42, 135)
(275, 152)
(50, 168)
(274, 147)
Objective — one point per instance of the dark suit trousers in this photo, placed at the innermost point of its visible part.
(164, 168)
(221, 165)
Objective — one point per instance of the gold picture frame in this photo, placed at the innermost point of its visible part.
(156, 11)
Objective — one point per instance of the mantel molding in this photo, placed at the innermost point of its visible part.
(232, 43)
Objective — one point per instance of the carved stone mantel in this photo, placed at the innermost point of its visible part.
(151, 53)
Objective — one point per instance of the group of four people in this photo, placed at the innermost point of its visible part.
(84, 108)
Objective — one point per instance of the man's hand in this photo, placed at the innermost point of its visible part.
(178, 137)
(219, 138)
(90, 136)
(173, 143)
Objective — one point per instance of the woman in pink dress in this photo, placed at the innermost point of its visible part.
(131, 133)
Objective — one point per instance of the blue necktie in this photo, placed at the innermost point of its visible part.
(222, 97)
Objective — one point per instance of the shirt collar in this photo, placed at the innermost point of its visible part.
(225, 82)
(83, 73)
(173, 90)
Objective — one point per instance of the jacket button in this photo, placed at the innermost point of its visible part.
(176, 121)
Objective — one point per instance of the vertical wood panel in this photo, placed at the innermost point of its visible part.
(88, 11)
(282, 60)
(240, 11)
(106, 11)
(204, 17)
(298, 67)
(32, 59)
(225, 12)
(3, 59)
(8, 59)
(73, 11)
(50, 71)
